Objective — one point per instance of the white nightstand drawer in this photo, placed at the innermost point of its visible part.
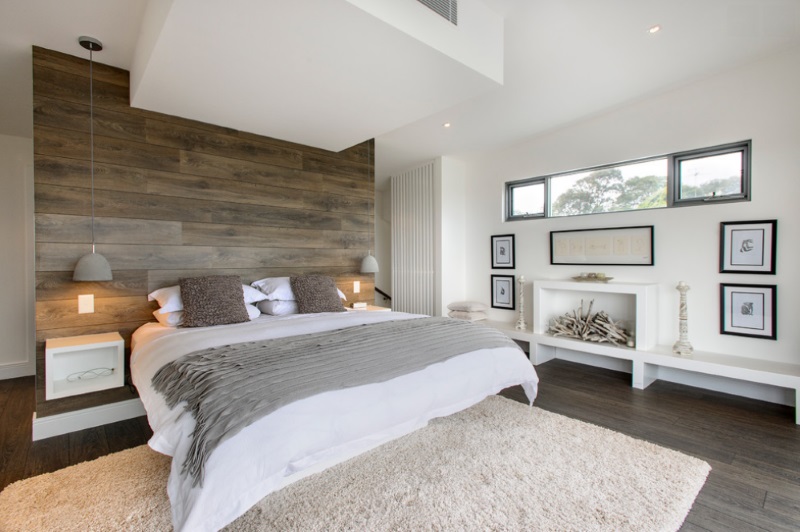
(82, 364)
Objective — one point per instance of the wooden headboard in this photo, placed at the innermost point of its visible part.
(175, 198)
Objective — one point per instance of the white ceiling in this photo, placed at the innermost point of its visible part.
(564, 60)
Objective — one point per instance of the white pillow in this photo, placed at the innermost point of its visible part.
(169, 319)
(278, 307)
(275, 288)
(468, 306)
(470, 316)
(252, 312)
(280, 288)
(169, 298)
(252, 295)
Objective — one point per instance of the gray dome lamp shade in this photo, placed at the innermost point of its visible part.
(92, 266)
(369, 264)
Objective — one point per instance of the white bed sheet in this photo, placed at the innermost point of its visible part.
(309, 435)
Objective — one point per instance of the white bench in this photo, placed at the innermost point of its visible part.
(646, 363)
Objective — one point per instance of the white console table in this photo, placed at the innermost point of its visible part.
(636, 303)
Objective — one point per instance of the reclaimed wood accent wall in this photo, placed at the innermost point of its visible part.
(175, 198)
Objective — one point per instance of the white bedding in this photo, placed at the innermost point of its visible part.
(309, 435)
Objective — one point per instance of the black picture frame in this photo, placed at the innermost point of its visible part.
(748, 247)
(749, 310)
(609, 246)
(503, 289)
(503, 254)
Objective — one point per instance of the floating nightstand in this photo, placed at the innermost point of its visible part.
(83, 364)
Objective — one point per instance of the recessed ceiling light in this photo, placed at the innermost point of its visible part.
(654, 29)
(447, 124)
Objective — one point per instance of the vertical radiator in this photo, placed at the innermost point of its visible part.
(413, 241)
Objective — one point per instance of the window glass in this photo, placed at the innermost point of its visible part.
(527, 199)
(713, 176)
(641, 185)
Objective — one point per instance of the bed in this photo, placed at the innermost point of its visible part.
(310, 434)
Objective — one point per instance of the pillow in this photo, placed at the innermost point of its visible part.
(275, 288)
(468, 306)
(169, 319)
(316, 293)
(169, 298)
(280, 288)
(213, 300)
(278, 307)
(470, 316)
(252, 312)
(252, 295)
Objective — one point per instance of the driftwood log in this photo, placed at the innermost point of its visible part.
(598, 327)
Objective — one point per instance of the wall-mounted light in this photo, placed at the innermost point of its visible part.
(92, 266)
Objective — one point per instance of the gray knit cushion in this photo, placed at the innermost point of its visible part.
(212, 300)
(316, 293)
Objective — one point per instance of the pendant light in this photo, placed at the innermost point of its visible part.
(369, 264)
(92, 266)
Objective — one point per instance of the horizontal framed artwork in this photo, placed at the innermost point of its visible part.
(503, 252)
(503, 291)
(619, 246)
(748, 247)
(749, 310)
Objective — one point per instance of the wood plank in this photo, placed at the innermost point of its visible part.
(70, 228)
(161, 278)
(70, 87)
(62, 257)
(256, 236)
(15, 431)
(346, 186)
(62, 114)
(108, 311)
(168, 133)
(54, 407)
(50, 59)
(201, 164)
(76, 173)
(75, 145)
(335, 165)
(53, 286)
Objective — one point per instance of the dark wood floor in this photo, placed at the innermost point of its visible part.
(752, 446)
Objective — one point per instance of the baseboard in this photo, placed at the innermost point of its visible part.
(13, 371)
(58, 424)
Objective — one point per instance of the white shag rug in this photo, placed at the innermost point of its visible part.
(499, 465)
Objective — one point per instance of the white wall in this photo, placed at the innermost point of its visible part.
(17, 330)
(758, 101)
(451, 235)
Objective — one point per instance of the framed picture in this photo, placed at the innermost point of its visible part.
(619, 246)
(749, 310)
(748, 247)
(503, 291)
(503, 252)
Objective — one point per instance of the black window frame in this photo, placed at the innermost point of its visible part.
(673, 181)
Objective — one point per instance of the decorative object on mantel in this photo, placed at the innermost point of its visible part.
(682, 347)
(92, 266)
(598, 277)
(521, 325)
(589, 327)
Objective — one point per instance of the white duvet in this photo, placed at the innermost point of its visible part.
(309, 435)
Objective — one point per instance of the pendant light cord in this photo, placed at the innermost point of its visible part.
(91, 134)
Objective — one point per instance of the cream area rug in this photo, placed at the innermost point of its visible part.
(499, 465)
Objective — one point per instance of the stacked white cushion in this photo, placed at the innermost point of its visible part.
(169, 300)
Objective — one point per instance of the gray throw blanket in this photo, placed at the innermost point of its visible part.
(229, 387)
